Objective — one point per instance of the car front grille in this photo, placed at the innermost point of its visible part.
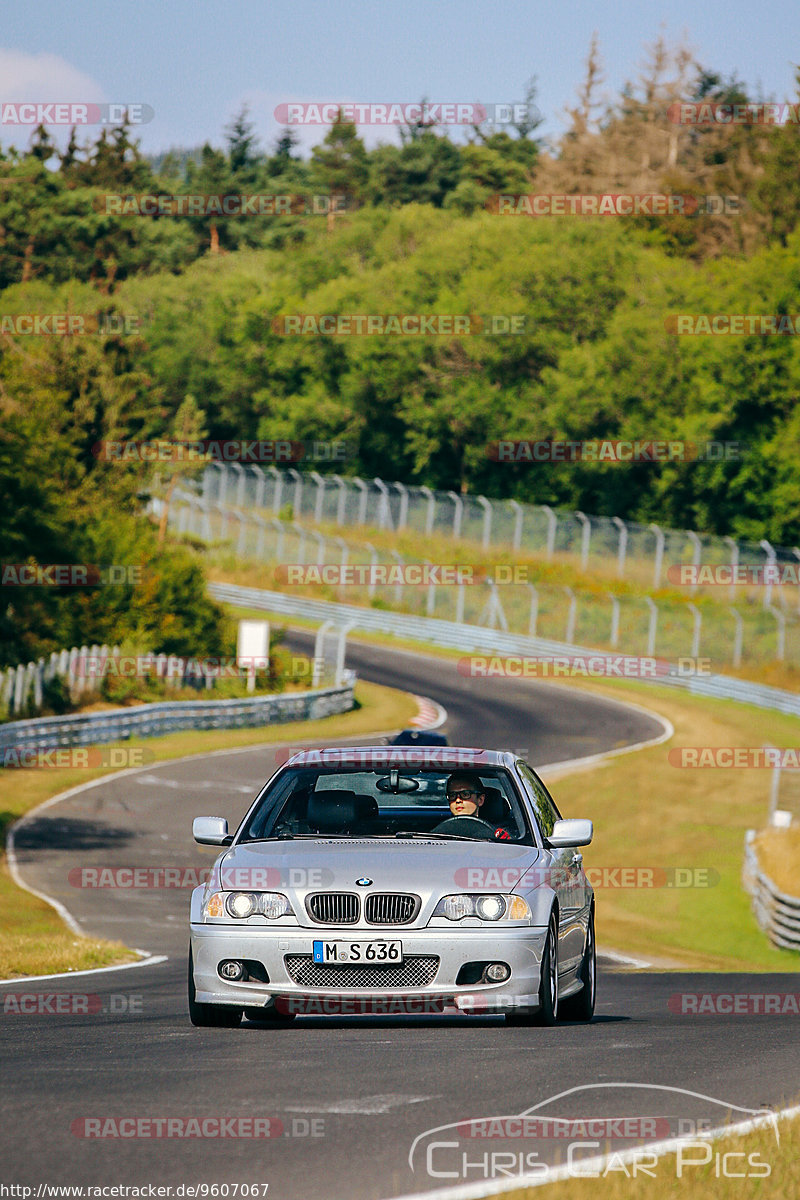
(333, 908)
(390, 908)
(418, 970)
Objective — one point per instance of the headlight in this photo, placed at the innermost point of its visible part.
(274, 905)
(492, 907)
(242, 905)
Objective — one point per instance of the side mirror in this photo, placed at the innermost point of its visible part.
(574, 832)
(211, 831)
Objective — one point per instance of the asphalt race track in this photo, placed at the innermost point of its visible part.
(346, 1097)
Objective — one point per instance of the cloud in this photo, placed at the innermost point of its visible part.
(45, 78)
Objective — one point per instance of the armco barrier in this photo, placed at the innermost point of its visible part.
(153, 720)
(776, 913)
(480, 639)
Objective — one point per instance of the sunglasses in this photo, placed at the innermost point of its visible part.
(465, 795)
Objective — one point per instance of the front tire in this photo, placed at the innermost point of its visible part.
(581, 1006)
(206, 1016)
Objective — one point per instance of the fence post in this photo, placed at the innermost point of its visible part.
(402, 516)
(516, 508)
(384, 514)
(695, 611)
(623, 545)
(373, 563)
(320, 547)
(552, 522)
(696, 552)
(571, 616)
(430, 599)
(458, 511)
(659, 559)
(301, 534)
(261, 485)
(398, 587)
(297, 499)
(223, 483)
(651, 632)
(734, 549)
(316, 671)
(429, 513)
(340, 651)
(534, 610)
(362, 500)
(737, 638)
(240, 475)
(278, 525)
(342, 544)
(240, 542)
(487, 521)
(586, 533)
(341, 498)
(770, 563)
(319, 499)
(796, 553)
(614, 639)
(781, 619)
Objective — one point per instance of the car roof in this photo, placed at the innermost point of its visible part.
(449, 757)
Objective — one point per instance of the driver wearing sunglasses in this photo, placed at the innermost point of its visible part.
(463, 796)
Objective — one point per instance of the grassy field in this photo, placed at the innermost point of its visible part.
(33, 938)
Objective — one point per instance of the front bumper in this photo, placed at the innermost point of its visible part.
(521, 947)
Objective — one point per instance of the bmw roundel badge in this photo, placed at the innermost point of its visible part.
(363, 881)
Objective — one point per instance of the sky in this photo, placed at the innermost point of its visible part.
(195, 63)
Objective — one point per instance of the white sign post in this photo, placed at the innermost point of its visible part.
(252, 649)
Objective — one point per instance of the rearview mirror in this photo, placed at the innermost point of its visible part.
(211, 831)
(573, 832)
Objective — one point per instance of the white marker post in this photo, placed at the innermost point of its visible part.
(252, 649)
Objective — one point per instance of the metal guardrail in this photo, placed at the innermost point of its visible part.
(479, 638)
(153, 720)
(776, 913)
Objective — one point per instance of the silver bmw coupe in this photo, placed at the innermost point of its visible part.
(395, 880)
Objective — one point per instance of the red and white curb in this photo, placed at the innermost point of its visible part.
(430, 716)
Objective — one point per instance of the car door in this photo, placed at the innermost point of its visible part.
(566, 875)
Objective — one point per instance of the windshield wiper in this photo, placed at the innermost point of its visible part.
(447, 837)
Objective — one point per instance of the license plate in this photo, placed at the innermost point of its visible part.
(358, 952)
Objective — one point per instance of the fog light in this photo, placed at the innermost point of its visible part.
(231, 969)
(497, 973)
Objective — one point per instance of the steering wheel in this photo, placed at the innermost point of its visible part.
(465, 827)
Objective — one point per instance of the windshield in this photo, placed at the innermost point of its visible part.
(389, 802)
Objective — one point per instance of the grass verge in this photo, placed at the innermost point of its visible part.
(33, 938)
(778, 853)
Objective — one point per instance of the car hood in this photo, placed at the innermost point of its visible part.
(429, 869)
